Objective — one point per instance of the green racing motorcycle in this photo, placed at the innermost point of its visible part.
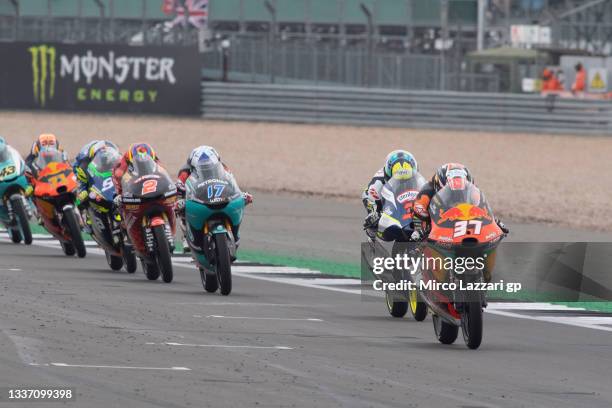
(214, 208)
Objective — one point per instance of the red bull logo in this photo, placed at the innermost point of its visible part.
(464, 212)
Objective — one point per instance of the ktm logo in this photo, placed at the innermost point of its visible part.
(43, 73)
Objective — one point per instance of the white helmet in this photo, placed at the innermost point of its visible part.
(203, 154)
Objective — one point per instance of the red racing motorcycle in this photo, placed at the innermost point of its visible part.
(148, 200)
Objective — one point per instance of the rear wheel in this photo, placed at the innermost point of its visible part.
(68, 248)
(471, 324)
(224, 266)
(115, 262)
(74, 230)
(129, 258)
(209, 281)
(164, 259)
(22, 219)
(396, 309)
(445, 332)
(418, 309)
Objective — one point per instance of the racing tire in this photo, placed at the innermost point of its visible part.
(396, 309)
(445, 332)
(471, 325)
(151, 271)
(164, 259)
(68, 248)
(22, 220)
(15, 235)
(115, 262)
(74, 229)
(210, 282)
(418, 309)
(224, 265)
(129, 259)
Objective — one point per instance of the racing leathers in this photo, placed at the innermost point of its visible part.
(372, 201)
(421, 213)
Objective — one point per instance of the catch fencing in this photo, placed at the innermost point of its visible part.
(401, 108)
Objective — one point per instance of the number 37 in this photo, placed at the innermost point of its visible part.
(461, 228)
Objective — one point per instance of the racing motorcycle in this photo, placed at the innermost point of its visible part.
(105, 222)
(15, 208)
(462, 227)
(214, 209)
(54, 195)
(148, 201)
(395, 228)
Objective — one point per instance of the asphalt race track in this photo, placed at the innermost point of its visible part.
(121, 340)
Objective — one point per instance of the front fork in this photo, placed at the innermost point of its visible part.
(26, 205)
(149, 238)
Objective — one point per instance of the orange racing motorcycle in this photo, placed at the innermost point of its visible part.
(54, 195)
(462, 227)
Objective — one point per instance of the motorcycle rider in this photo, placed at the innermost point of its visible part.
(135, 150)
(203, 155)
(44, 141)
(5, 155)
(81, 162)
(457, 176)
(397, 159)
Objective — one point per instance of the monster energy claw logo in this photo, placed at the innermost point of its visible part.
(43, 73)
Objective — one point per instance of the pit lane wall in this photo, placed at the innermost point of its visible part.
(99, 77)
(410, 109)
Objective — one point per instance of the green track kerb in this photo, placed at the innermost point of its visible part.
(349, 270)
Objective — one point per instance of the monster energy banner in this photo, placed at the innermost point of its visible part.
(110, 78)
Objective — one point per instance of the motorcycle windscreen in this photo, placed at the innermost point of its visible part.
(398, 198)
(11, 164)
(462, 216)
(105, 161)
(212, 184)
(48, 157)
(147, 180)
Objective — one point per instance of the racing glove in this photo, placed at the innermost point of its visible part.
(502, 226)
(248, 198)
(417, 236)
(180, 206)
(371, 219)
(83, 196)
(180, 188)
(117, 201)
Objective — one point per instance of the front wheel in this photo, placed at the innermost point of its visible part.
(68, 248)
(471, 324)
(209, 281)
(115, 262)
(445, 332)
(418, 309)
(21, 216)
(74, 230)
(396, 309)
(151, 270)
(164, 259)
(15, 235)
(129, 258)
(224, 266)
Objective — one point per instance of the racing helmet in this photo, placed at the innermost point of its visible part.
(202, 155)
(140, 150)
(45, 140)
(454, 174)
(400, 161)
(98, 145)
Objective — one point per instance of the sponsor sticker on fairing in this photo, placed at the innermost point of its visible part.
(409, 195)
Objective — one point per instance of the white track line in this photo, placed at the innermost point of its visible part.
(112, 366)
(220, 346)
(259, 318)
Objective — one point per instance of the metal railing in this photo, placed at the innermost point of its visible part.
(416, 109)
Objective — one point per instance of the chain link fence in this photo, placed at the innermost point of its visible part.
(265, 60)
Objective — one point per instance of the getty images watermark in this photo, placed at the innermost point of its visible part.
(459, 266)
